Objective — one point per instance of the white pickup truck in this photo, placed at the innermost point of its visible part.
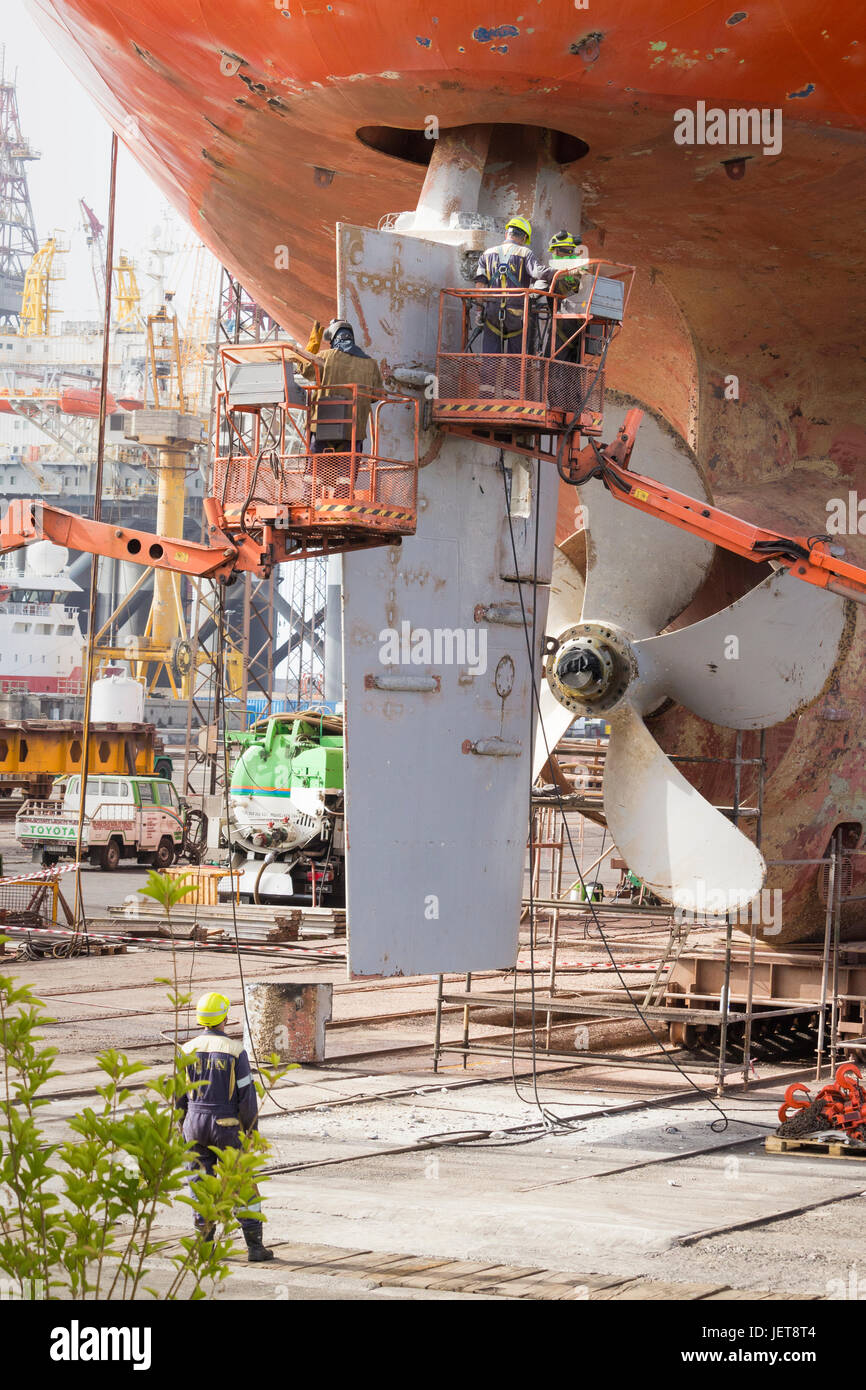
(124, 818)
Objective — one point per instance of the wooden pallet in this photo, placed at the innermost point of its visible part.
(814, 1148)
(488, 1277)
(443, 1276)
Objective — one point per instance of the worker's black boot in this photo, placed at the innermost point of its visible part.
(257, 1252)
(207, 1230)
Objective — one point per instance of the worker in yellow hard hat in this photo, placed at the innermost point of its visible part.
(567, 260)
(221, 1102)
(341, 363)
(511, 265)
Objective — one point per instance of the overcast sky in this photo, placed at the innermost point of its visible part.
(60, 120)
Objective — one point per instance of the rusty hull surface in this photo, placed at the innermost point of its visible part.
(247, 117)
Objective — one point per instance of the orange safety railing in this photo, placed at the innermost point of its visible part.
(298, 463)
(530, 359)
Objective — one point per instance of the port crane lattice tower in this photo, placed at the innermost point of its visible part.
(18, 240)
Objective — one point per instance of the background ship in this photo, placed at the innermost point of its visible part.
(41, 642)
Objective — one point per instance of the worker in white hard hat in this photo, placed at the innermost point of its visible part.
(341, 363)
(511, 265)
(221, 1103)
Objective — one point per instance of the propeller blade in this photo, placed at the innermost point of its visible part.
(670, 836)
(641, 571)
(566, 597)
(753, 664)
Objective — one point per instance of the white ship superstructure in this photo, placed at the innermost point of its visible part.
(41, 642)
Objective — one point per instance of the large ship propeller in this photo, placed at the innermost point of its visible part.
(749, 666)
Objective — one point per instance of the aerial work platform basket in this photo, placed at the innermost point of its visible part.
(528, 363)
(291, 462)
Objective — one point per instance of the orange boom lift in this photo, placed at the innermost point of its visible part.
(273, 499)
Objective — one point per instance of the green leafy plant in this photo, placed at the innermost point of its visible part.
(168, 892)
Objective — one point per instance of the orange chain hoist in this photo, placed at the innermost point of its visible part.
(842, 1103)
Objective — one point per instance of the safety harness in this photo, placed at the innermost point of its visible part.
(509, 277)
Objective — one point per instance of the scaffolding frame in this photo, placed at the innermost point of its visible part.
(587, 1008)
(231, 646)
(304, 590)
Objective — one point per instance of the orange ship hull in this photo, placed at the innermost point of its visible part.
(267, 125)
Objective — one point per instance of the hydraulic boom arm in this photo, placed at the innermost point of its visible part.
(232, 548)
(809, 558)
(28, 521)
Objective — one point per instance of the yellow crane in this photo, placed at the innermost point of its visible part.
(163, 385)
(171, 426)
(127, 297)
(197, 354)
(36, 306)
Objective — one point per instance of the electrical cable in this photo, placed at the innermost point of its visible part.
(575, 422)
(549, 1122)
(222, 676)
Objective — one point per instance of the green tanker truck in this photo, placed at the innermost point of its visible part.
(286, 823)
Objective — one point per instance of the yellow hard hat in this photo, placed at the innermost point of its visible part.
(522, 226)
(211, 1010)
(562, 241)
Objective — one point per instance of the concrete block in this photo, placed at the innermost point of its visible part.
(288, 1018)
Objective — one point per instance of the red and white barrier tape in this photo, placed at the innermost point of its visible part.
(51, 871)
(16, 930)
(133, 939)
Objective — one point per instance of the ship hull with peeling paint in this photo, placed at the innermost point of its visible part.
(267, 126)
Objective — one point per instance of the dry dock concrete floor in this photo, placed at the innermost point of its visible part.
(603, 1211)
(645, 1200)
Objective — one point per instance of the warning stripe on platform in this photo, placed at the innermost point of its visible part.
(358, 509)
(502, 408)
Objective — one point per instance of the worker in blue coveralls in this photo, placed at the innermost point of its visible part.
(512, 265)
(221, 1103)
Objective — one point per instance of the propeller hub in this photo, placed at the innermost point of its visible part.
(591, 668)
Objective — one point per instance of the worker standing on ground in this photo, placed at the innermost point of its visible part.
(221, 1103)
(512, 265)
(342, 363)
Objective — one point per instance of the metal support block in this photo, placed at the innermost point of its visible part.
(286, 1018)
